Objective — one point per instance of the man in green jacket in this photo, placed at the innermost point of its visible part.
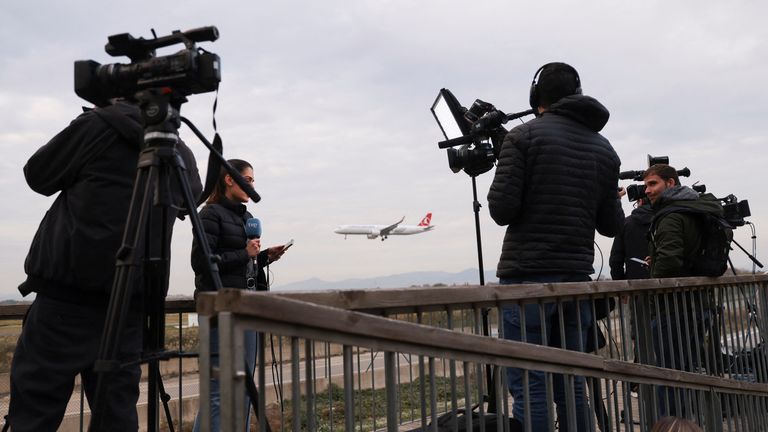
(675, 242)
(676, 239)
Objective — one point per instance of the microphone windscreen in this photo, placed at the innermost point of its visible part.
(253, 228)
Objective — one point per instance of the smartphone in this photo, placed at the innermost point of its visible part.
(287, 245)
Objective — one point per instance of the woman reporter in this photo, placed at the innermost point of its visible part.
(223, 219)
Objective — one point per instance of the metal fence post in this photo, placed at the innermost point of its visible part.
(204, 333)
(231, 373)
(391, 385)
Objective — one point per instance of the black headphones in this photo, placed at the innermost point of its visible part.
(533, 95)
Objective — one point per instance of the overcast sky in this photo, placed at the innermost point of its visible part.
(329, 101)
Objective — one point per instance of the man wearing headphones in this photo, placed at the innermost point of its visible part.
(556, 183)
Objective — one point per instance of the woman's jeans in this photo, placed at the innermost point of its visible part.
(250, 355)
(574, 339)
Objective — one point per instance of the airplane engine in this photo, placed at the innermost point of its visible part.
(372, 234)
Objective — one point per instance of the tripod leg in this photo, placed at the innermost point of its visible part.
(596, 394)
(250, 386)
(197, 224)
(164, 396)
(128, 261)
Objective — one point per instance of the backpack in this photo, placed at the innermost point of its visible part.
(716, 237)
(457, 421)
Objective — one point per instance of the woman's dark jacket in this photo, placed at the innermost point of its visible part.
(556, 183)
(224, 225)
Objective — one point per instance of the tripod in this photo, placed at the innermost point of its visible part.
(143, 259)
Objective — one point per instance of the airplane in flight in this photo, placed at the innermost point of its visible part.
(384, 231)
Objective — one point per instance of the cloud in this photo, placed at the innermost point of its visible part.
(330, 100)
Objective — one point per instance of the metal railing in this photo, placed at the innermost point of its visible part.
(409, 359)
(179, 374)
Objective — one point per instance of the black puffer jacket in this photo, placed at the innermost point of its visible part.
(224, 225)
(93, 163)
(555, 183)
(632, 242)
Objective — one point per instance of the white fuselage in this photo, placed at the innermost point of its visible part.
(384, 231)
(375, 230)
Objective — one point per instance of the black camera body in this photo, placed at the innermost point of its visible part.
(734, 210)
(484, 122)
(478, 130)
(192, 70)
(636, 192)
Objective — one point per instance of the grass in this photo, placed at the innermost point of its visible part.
(370, 405)
(10, 330)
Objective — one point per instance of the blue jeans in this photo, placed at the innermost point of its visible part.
(250, 356)
(573, 339)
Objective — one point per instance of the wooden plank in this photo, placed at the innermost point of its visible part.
(14, 311)
(175, 305)
(206, 303)
(438, 298)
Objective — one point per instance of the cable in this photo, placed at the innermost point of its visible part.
(754, 245)
(602, 260)
(277, 379)
(270, 277)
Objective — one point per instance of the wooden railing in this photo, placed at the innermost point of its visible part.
(442, 326)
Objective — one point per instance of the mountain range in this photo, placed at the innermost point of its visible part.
(402, 280)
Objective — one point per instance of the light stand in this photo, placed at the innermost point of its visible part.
(484, 311)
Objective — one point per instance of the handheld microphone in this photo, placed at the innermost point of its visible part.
(253, 228)
(252, 231)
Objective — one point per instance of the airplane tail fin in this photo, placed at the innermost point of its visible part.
(425, 222)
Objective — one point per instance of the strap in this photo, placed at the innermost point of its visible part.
(214, 167)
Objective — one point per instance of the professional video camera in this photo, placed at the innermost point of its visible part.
(189, 71)
(477, 130)
(637, 175)
(734, 210)
(637, 191)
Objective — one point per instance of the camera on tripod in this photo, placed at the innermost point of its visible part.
(189, 71)
(478, 130)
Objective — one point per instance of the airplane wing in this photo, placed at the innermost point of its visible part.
(385, 231)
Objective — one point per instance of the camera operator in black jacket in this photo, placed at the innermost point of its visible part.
(556, 183)
(71, 265)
